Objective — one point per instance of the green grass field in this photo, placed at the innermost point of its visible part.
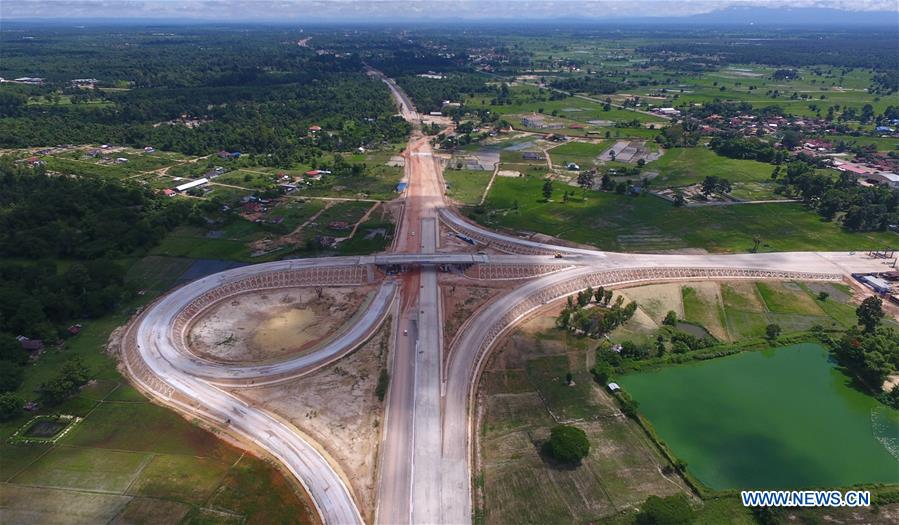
(373, 235)
(751, 180)
(297, 211)
(784, 298)
(378, 182)
(130, 460)
(157, 273)
(685, 166)
(744, 311)
(247, 178)
(581, 153)
(702, 306)
(530, 99)
(647, 224)
(466, 186)
(192, 243)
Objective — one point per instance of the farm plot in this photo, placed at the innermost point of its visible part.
(523, 386)
(703, 306)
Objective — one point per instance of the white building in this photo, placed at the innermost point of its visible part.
(886, 178)
(192, 184)
(669, 111)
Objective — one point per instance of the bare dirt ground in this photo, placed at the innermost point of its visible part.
(641, 318)
(461, 298)
(449, 242)
(273, 325)
(338, 408)
(657, 300)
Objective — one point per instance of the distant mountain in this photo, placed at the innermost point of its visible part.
(785, 16)
(734, 16)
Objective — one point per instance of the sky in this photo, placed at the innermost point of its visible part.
(284, 10)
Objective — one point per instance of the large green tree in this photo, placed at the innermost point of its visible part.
(10, 406)
(568, 444)
(870, 313)
(670, 510)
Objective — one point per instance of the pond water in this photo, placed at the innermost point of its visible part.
(784, 418)
(695, 330)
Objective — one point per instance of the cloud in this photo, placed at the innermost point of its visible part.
(299, 10)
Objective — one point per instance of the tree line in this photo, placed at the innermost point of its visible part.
(428, 94)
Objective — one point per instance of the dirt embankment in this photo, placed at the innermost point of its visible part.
(338, 408)
(461, 297)
(273, 325)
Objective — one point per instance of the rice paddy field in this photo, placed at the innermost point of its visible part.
(775, 419)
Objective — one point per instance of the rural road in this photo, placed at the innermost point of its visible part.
(424, 473)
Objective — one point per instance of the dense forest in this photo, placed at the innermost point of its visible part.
(251, 94)
(60, 238)
(592, 85)
(81, 218)
(428, 94)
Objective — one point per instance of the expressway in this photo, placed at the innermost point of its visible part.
(424, 466)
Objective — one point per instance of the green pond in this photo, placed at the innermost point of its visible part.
(784, 418)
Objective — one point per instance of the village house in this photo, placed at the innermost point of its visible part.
(31, 345)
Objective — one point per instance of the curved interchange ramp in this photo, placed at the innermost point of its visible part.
(507, 243)
(163, 365)
(471, 348)
(158, 359)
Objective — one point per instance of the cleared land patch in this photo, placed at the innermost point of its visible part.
(338, 407)
(273, 325)
(466, 186)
